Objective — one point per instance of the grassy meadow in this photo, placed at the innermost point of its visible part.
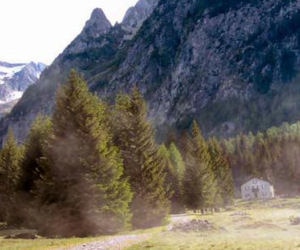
(41, 243)
(246, 225)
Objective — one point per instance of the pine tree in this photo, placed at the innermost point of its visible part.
(83, 183)
(10, 157)
(144, 166)
(30, 168)
(264, 158)
(30, 172)
(169, 171)
(178, 171)
(177, 160)
(222, 171)
(199, 182)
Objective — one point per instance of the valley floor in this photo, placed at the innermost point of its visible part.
(246, 225)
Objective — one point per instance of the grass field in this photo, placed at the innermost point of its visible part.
(247, 225)
(43, 244)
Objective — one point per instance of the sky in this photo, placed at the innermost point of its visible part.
(39, 30)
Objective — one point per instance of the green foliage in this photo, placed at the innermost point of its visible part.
(30, 173)
(10, 157)
(170, 172)
(223, 174)
(174, 176)
(272, 155)
(143, 164)
(177, 161)
(200, 185)
(30, 167)
(82, 188)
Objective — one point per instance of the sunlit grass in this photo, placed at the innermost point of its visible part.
(199, 241)
(61, 244)
(262, 226)
(44, 244)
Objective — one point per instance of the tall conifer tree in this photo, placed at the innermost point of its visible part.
(199, 182)
(31, 170)
(10, 157)
(84, 180)
(178, 170)
(223, 174)
(143, 164)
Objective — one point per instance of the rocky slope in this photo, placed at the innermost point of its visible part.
(136, 15)
(197, 61)
(224, 63)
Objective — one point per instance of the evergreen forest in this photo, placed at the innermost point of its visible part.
(95, 168)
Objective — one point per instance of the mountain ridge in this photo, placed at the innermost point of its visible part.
(208, 61)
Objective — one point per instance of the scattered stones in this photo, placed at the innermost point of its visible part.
(28, 236)
(3, 226)
(117, 242)
(239, 213)
(193, 226)
(260, 225)
(294, 220)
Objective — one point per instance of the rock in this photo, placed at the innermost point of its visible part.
(135, 16)
(193, 226)
(29, 236)
(294, 220)
(239, 213)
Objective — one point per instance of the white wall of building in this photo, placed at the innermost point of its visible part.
(257, 189)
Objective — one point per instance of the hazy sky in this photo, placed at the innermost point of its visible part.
(38, 30)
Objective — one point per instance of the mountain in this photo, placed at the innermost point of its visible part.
(233, 65)
(136, 15)
(15, 78)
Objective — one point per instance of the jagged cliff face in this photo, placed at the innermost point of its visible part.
(136, 15)
(187, 58)
(225, 63)
(94, 28)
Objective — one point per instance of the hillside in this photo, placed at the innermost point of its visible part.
(232, 65)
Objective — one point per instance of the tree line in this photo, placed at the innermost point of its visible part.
(94, 168)
(273, 155)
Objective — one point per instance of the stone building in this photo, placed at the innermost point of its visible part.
(257, 189)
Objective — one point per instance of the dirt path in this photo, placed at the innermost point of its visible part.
(123, 241)
(114, 243)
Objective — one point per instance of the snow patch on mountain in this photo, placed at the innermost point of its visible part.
(12, 96)
(7, 72)
(14, 80)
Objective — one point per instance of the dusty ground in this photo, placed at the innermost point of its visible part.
(117, 242)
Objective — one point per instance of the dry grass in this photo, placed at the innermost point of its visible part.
(59, 244)
(249, 225)
(39, 243)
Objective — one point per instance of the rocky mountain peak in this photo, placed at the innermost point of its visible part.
(135, 16)
(97, 25)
